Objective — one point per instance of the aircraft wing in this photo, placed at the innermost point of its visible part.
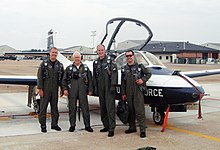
(32, 80)
(29, 80)
(194, 74)
(18, 80)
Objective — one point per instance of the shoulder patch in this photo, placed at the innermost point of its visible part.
(70, 67)
(122, 69)
(86, 67)
(45, 64)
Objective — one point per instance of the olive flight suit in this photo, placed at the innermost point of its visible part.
(105, 79)
(78, 81)
(49, 79)
(134, 93)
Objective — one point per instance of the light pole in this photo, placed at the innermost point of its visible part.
(93, 39)
(81, 49)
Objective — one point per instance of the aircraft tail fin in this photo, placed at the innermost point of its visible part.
(50, 41)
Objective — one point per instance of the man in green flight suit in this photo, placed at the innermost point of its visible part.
(49, 78)
(105, 79)
(133, 83)
(77, 83)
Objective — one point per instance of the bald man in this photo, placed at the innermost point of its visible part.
(77, 83)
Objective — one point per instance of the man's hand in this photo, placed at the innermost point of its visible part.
(139, 81)
(90, 93)
(66, 92)
(41, 93)
(124, 97)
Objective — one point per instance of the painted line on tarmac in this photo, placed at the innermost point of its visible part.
(4, 118)
(194, 133)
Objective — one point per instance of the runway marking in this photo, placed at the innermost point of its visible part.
(194, 133)
(4, 118)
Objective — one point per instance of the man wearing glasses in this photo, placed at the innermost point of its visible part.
(133, 83)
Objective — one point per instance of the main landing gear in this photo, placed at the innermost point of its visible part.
(33, 100)
(36, 105)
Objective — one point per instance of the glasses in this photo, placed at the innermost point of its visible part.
(128, 55)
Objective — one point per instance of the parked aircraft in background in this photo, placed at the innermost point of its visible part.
(166, 88)
(8, 57)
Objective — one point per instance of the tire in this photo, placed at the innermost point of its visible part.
(158, 117)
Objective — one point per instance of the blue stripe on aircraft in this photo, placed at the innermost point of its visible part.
(18, 81)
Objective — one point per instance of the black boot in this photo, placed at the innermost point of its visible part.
(57, 128)
(71, 129)
(89, 129)
(130, 131)
(110, 133)
(43, 128)
(104, 130)
(143, 135)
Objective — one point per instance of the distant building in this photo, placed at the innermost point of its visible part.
(5, 49)
(134, 43)
(87, 53)
(82, 49)
(212, 45)
(129, 44)
(180, 52)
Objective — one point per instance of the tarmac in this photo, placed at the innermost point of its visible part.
(18, 130)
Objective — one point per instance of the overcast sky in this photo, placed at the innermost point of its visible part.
(24, 23)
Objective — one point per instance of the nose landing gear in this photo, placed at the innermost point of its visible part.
(158, 116)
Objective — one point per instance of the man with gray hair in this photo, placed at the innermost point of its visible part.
(77, 83)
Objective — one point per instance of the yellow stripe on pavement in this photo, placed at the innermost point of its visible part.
(194, 133)
(4, 118)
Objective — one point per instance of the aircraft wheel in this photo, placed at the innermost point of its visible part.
(158, 117)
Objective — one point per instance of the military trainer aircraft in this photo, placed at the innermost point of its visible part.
(165, 89)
